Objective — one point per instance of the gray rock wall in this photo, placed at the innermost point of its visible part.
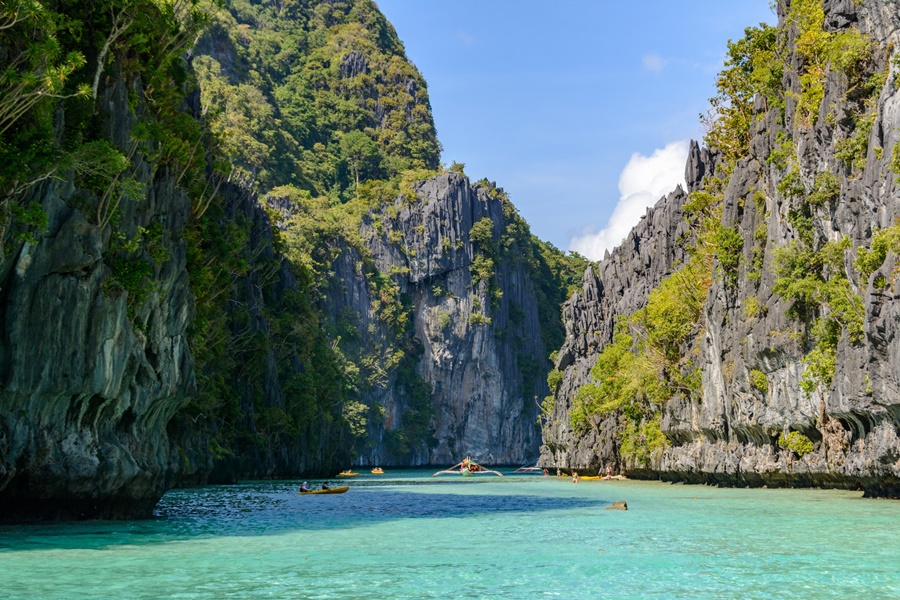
(729, 436)
(86, 389)
(617, 286)
(482, 391)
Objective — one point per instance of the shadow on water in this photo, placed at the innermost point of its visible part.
(273, 507)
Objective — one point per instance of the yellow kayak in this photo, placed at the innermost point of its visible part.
(337, 490)
(347, 474)
(377, 472)
(589, 478)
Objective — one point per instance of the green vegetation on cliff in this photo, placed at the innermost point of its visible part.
(795, 118)
(315, 94)
(318, 110)
(52, 65)
(753, 65)
(822, 295)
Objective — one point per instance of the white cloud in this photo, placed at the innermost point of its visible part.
(654, 62)
(466, 39)
(643, 181)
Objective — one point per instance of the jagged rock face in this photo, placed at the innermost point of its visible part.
(617, 286)
(482, 394)
(730, 435)
(853, 423)
(86, 389)
(353, 64)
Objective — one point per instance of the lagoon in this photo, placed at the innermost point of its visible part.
(408, 535)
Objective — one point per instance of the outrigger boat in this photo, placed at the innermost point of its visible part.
(532, 469)
(467, 468)
(337, 490)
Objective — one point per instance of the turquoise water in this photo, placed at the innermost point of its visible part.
(408, 535)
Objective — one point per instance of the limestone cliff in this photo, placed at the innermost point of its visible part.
(813, 201)
(615, 287)
(356, 327)
(475, 343)
(90, 373)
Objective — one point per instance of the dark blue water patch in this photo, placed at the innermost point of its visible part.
(248, 507)
(274, 507)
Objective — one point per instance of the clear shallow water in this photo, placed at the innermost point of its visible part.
(408, 535)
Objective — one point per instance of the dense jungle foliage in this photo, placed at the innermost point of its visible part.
(55, 55)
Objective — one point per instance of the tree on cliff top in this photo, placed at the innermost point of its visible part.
(361, 152)
(752, 67)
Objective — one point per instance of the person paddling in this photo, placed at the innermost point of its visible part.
(325, 485)
(304, 487)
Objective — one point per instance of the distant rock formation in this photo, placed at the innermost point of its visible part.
(480, 351)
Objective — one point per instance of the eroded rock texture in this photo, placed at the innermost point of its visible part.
(87, 385)
(482, 359)
(729, 435)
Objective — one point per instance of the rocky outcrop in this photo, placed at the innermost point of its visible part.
(754, 351)
(616, 287)
(477, 344)
(89, 377)
(353, 64)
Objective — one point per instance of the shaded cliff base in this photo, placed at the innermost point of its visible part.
(871, 487)
(31, 510)
(867, 464)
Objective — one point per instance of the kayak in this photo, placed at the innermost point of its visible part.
(337, 490)
(590, 478)
(377, 472)
(347, 474)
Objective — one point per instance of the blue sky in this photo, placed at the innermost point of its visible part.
(564, 104)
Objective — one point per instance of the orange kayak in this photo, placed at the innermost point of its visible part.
(337, 490)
